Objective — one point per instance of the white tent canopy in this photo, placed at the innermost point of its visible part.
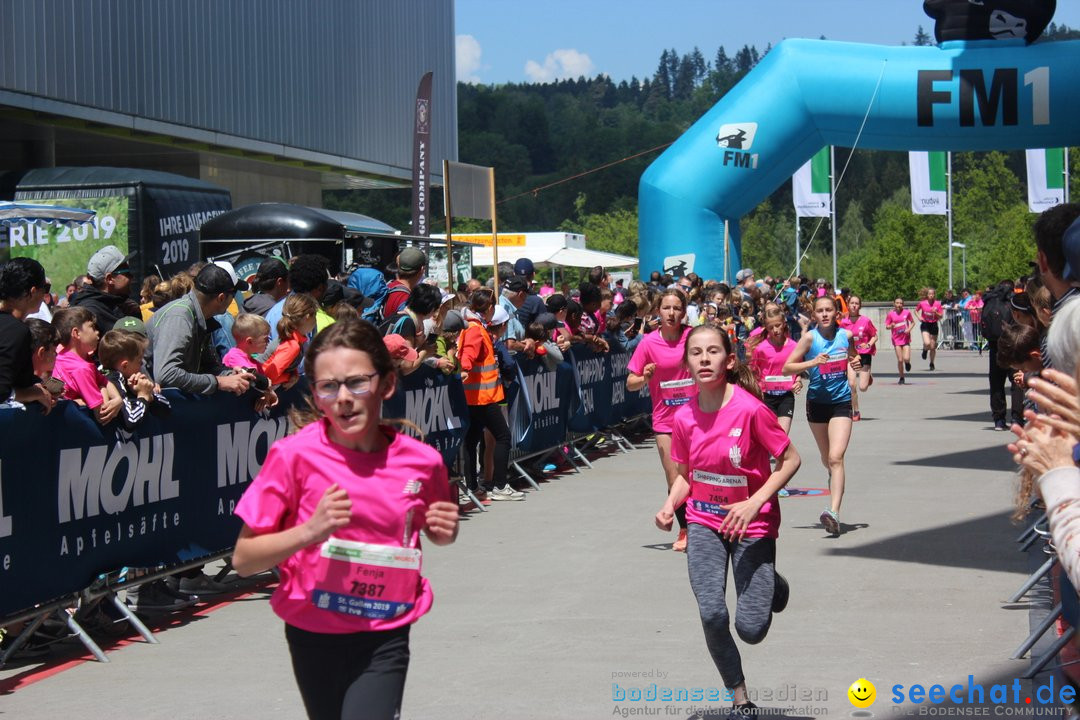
(543, 248)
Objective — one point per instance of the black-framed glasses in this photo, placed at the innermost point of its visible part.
(122, 271)
(355, 384)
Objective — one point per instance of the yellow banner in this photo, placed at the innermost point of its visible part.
(485, 240)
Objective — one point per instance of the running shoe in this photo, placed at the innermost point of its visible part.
(856, 416)
(907, 366)
(901, 382)
(831, 521)
(924, 353)
(745, 710)
(1000, 425)
(783, 492)
(780, 594)
(506, 493)
(932, 366)
(680, 542)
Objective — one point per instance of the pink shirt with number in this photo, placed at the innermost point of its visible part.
(82, 380)
(366, 577)
(670, 385)
(727, 454)
(899, 322)
(862, 332)
(767, 362)
(929, 312)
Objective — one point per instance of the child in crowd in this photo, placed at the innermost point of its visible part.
(252, 335)
(43, 344)
(1018, 348)
(83, 382)
(540, 331)
(446, 344)
(120, 353)
(297, 322)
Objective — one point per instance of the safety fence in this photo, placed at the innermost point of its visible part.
(79, 502)
(959, 330)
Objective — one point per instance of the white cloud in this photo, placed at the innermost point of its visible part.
(467, 58)
(561, 64)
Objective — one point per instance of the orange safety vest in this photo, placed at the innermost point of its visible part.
(483, 386)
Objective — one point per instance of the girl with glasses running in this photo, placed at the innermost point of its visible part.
(339, 507)
(721, 444)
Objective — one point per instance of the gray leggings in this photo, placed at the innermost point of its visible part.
(753, 562)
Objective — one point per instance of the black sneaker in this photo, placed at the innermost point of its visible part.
(924, 353)
(1000, 425)
(907, 366)
(901, 382)
(780, 594)
(739, 712)
(932, 367)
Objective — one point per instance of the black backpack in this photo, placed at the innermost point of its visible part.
(996, 314)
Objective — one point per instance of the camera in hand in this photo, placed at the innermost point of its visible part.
(261, 382)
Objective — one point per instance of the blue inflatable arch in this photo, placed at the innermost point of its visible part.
(807, 94)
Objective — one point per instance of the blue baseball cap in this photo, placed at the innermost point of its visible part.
(524, 267)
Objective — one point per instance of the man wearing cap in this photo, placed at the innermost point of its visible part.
(181, 354)
(271, 284)
(108, 294)
(410, 267)
(533, 304)
(745, 277)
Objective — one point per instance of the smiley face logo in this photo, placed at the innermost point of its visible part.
(862, 693)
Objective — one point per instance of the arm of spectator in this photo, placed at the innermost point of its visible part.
(172, 335)
(470, 344)
(111, 404)
(36, 393)
(1060, 489)
(277, 365)
(1056, 395)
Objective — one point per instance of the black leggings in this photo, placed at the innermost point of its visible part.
(352, 676)
(488, 417)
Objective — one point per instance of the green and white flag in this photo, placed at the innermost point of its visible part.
(929, 187)
(810, 187)
(1046, 178)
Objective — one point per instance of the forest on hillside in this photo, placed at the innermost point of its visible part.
(568, 156)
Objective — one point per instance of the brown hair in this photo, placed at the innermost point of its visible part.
(672, 292)
(481, 300)
(1016, 344)
(148, 284)
(249, 325)
(297, 307)
(739, 374)
(117, 345)
(65, 320)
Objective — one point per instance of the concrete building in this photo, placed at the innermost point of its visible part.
(274, 100)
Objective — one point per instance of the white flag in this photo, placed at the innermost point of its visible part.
(810, 187)
(1046, 178)
(929, 186)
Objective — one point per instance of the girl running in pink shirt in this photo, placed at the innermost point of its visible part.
(339, 507)
(929, 312)
(767, 361)
(900, 322)
(721, 443)
(658, 362)
(864, 335)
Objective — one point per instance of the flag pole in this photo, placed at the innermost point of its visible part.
(449, 234)
(727, 255)
(798, 246)
(948, 207)
(1065, 171)
(494, 230)
(832, 214)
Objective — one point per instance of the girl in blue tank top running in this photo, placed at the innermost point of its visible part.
(831, 365)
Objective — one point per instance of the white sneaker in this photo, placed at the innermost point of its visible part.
(506, 493)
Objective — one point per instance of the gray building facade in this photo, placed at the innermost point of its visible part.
(273, 99)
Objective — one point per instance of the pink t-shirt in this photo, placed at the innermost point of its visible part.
(670, 385)
(862, 332)
(237, 358)
(929, 312)
(82, 380)
(767, 362)
(366, 577)
(727, 453)
(974, 308)
(899, 322)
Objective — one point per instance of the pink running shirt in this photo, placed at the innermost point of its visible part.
(237, 358)
(82, 380)
(727, 453)
(767, 362)
(670, 385)
(366, 577)
(900, 336)
(862, 331)
(930, 313)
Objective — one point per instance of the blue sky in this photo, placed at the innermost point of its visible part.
(501, 41)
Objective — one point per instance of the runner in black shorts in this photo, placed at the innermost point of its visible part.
(864, 335)
(929, 312)
(767, 360)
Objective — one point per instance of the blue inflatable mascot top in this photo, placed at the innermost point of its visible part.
(986, 87)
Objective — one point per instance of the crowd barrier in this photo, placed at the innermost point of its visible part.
(959, 330)
(78, 501)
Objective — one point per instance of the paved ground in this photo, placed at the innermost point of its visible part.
(543, 605)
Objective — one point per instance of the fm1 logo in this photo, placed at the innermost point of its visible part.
(1002, 93)
(737, 139)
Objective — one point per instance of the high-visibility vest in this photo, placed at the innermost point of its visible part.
(483, 386)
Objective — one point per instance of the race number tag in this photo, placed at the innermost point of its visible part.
(777, 384)
(835, 368)
(366, 580)
(676, 392)
(710, 490)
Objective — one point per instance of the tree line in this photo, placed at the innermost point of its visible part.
(556, 135)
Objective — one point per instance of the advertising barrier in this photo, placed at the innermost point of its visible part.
(78, 500)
